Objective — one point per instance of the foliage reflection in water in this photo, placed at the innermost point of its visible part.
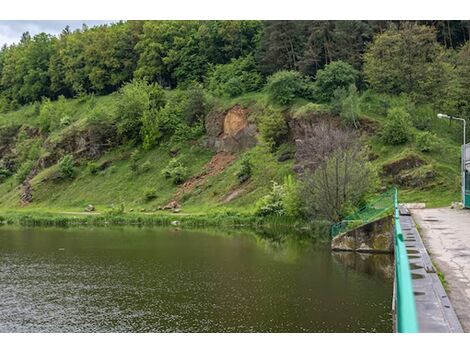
(128, 279)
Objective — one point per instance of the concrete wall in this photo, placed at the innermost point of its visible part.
(374, 237)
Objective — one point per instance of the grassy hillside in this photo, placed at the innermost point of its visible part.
(128, 175)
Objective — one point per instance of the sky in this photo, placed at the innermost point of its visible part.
(11, 31)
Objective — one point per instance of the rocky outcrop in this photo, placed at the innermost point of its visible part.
(374, 237)
(26, 196)
(88, 142)
(230, 131)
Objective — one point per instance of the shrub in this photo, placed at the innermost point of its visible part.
(176, 171)
(115, 210)
(135, 99)
(333, 76)
(28, 149)
(272, 203)
(426, 141)
(92, 168)
(397, 130)
(66, 168)
(246, 170)
(346, 104)
(284, 86)
(4, 174)
(133, 161)
(150, 194)
(235, 78)
(181, 118)
(23, 171)
(273, 127)
(292, 200)
(51, 114)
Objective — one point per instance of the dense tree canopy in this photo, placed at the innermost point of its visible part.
(424, 59)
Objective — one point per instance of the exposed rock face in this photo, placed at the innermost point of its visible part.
(230, 131)
(410, 171)
(406, 163)
(85, 142)
(375, 237)
(27, 193)
(303, 132)
(7, 146)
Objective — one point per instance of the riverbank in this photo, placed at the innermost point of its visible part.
(226, 219)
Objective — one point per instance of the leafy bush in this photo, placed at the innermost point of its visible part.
(136, 99)
(66, 168)
(133, 160)
(4, 174)
(333, 76)
(176, 171)
(292, 200)
(273, 127)
(150, 194)
(28, 148)
(246, 170)
(52, 113)
(272, 203)
(235, 78)
(115, 210)
(23, 171)
(346, 104)
(397, 130)
(92, 168)
(284, 86)
(426, 141)
(181, 119)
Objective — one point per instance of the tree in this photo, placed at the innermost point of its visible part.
(398, 128)
(284, 86)
(336, 75)
(405, 61)
(235, 78)
(281, 46)
(138, 100)
(339, 175)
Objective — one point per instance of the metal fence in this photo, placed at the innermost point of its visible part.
(377, 208)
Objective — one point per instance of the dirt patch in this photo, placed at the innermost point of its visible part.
(406, 163)
(216, 165)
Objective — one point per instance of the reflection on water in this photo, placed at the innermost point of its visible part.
(165, 280)
(376, 265)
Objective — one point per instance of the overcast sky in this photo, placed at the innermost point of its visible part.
(11, 31)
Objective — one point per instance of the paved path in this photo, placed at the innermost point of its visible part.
(446, 234)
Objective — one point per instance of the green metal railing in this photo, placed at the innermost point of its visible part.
(377, 208)
(407, 320)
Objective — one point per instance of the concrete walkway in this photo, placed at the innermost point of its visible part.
(446, 234)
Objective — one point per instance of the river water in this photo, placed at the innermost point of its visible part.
(128, 279)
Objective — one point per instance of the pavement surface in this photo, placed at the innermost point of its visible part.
(446, 235)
